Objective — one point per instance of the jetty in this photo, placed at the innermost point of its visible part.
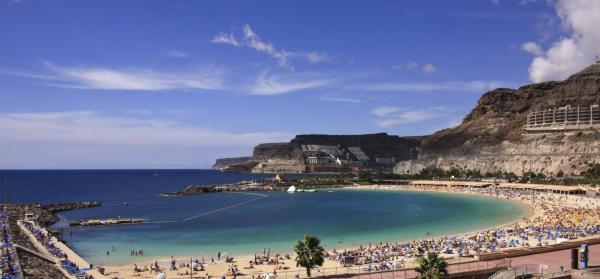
(106, 222)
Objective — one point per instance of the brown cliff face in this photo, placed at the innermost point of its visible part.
(224, 163)
(374, 145)
(284, 150)
(289, 156)
(491, 137)
(500, 114)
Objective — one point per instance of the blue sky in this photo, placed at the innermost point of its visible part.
(176, 84)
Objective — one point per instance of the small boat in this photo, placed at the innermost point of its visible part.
(291, 189)
(307, 190)
(125, 203)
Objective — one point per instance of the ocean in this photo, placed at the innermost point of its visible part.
(202, 225)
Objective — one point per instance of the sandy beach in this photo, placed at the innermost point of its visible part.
(287, 267)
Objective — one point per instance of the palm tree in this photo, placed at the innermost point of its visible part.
(309, 253)
(431, 266)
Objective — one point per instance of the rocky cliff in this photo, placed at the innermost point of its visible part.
(335, 153)
(224, 163)
(492, 136)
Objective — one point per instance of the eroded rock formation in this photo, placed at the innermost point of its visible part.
(492, 137)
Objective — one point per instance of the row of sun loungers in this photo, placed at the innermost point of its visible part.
(69, 266)
(9, 263)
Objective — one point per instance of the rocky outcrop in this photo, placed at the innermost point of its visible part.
(341, 153)
(491, 137)
(224, 163)
(375, 146)
(333, 153)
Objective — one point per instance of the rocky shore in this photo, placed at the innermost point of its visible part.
(48, 213)
(203, 189)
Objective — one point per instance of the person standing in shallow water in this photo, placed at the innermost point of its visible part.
(219, 256)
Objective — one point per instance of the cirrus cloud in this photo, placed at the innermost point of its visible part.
(251, 39)
(389, 116)
(141, 79)
(276, 84)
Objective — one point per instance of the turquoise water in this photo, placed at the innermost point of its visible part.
(342, 218)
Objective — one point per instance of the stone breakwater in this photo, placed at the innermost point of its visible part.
(47, 214)
(205, 189)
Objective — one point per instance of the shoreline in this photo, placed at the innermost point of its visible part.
(535, 212)
(221, 267)
(466, 233)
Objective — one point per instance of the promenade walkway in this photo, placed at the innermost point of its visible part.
(551, 261)
(71, 255)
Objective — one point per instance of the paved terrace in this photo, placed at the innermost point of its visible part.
(552, 260)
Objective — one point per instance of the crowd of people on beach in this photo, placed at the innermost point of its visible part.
(195, 265)
(560, 218)
(9, 268)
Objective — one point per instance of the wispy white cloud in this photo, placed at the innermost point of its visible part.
(316, 57)
(340, 99)
(254, 41)
(90, 127)
(574, 51)
(428, 68)
(385, 111)
(412, 65)
(276, 84)
(251, 39)
(125, 79)
(224, 38)
(532, 47)
(392, 116)
(465, 86)
(177, 54)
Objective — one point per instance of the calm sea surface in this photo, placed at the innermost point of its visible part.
(341, 218)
